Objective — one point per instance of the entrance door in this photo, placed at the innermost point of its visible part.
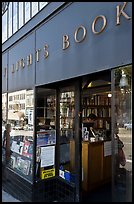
(57, 142)
(96, 138)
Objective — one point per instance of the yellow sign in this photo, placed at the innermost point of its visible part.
(47, 173)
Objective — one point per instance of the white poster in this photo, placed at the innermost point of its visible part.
(47, 156)
(107, 148)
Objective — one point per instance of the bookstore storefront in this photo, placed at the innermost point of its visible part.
(68, 99)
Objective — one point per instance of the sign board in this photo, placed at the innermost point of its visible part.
(47, 173)
(47, 137)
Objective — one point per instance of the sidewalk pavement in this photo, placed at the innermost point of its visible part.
(6, 197)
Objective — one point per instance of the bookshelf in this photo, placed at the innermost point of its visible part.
(100, 105)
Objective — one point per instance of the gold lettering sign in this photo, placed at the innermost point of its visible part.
(66, 42)
(103, 27)
(29, 59)
(17, 65)
(121, 11)
(37, 55)
(46, 53)
(84, 34)
(22, 63)
(5, 71)
(13, 69)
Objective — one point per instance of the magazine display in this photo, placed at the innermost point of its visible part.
(23, 165)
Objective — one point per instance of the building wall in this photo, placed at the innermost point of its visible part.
(111, 47)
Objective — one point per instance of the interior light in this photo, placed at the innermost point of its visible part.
(90, 85)
(109, 95)
(123, 80)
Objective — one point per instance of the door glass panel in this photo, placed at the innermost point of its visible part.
(67, 144)
(96, 137)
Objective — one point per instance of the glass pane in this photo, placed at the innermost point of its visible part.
(27, 11)
(20, 117)
(123, 134)
(21, 14)
(34, 8)
(46, 133)
(4, 27)
(10, 20)
(15, 23)
(67, 143)
(96, 135)
(42, 4)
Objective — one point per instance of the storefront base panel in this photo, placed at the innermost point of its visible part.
(44, 190)
(48, 190)
(64, 191)
(17, 186)
(51, 190)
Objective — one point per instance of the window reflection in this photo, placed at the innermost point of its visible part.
(123, 133)
(20, 117)
(16, 18)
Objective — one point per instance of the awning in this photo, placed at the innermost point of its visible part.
(15, 115)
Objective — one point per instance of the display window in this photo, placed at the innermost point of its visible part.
(20, 118)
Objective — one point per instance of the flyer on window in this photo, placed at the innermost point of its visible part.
(47, 156)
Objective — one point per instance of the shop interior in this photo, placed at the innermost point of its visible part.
(96, 134)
